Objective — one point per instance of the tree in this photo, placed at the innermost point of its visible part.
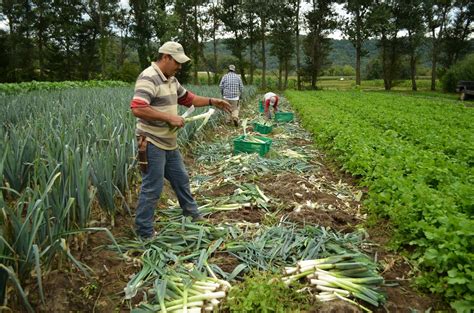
(232, 18)
(214, 13)
(384, 24)
(101, 14)
(436, 17)
(43, 17)
(68, 36)
(456, 42)
(321, 21)
(250, 24)
(281, 29)
(19, 16)
(410, 18)
(122, 23)
(297, 42)
(263, 9)
(355, 28)
(142, 30)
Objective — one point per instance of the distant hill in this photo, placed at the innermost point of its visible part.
(342, 53)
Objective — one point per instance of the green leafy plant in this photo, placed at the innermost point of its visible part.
(413, 155)
(265, 292)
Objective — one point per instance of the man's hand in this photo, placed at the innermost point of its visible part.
(221, 104)
(176, 121)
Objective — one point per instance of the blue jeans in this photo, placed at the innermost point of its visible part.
(162, 164)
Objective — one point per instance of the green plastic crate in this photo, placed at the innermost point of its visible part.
(252, 147)
(260, 106)
(284, 116)
(262, 129)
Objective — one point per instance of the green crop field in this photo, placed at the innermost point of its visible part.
(62, 152)
(279, 223)
(416, 156)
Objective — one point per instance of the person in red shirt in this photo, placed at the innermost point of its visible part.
(270, 99)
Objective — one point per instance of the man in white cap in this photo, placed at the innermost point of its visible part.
(155, 104)
(231, 89)
(270, 99)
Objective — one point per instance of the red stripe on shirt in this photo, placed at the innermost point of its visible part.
(137, 103)
(187, 99)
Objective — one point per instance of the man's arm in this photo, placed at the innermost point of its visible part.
(199, 101)
(147, 113)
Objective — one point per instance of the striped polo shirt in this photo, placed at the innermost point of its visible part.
(161, 93)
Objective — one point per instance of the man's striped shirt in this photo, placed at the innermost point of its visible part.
(153, 89)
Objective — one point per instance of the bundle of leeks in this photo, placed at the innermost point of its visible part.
(183, 293)
(340, 277)
(263, 121)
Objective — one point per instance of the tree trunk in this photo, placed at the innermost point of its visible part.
(252, 66)
(280, 71)
(196, 46)
(102, 42)
(143, 55)
(358, 53)
(214, 43)
(313, 62)
(413, 71)
(298, 78)
(41, 44)
(358, 47)
(123, 46)
(12, 45)
(434, 54)
(386, 74)
(412, 62)
(436, 42)
(264, 60)
(285, 84)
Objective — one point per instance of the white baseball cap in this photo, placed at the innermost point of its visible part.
(175, 50)
(232, 67)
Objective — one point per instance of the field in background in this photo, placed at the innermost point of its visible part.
(337, 83)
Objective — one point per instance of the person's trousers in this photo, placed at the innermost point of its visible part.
(235, 105)
(267, 112)
(162, 164)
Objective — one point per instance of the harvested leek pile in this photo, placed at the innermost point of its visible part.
(180, 292)
(217, 169)
(181, 240)
(174, 268)
(252, 139)
(270, 248)
(339, 277)
(185, 250)
(263, 121)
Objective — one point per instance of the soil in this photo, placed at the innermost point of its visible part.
(303, 199)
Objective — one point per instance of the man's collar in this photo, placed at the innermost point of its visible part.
(158, 70)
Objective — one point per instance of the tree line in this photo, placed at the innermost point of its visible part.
(101, 39)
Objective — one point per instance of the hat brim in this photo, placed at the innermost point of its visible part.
(180, 57)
